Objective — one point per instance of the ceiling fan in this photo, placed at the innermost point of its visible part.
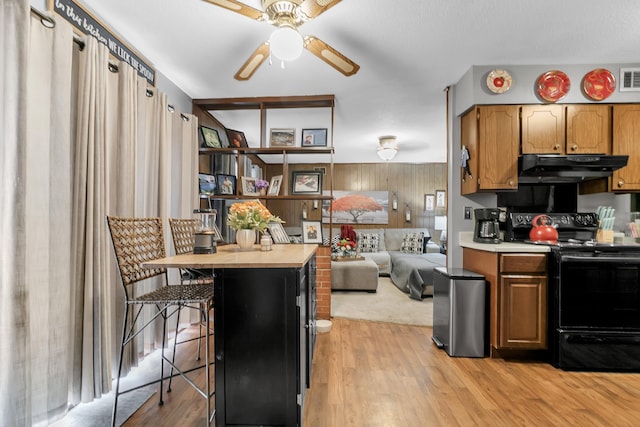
(287, 16)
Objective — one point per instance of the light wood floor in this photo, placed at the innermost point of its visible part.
(369, 374)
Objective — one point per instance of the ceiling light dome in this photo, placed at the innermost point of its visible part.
(286, 44)
(387, 147)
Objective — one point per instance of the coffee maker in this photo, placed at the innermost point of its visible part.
(487, 229)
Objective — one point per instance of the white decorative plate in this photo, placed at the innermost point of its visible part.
(499, 81)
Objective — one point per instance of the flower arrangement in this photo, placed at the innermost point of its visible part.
(347, 245)
(261, 184)
(251, 215)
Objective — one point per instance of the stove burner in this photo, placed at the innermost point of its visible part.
(573, 228)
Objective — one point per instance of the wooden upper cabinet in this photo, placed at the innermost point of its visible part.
(588, 129)
(626, 134)
(498, 147)
(491, 135)
(543, 129)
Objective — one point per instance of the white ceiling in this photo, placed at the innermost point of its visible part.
(408, 51)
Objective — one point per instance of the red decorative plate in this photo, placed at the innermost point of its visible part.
(553, 85)
(498, 81)
(599, 84)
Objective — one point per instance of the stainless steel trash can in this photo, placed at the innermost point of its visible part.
(459, 312)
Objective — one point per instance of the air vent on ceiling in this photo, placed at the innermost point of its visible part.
(629, 79)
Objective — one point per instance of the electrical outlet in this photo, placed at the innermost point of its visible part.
(467, 212)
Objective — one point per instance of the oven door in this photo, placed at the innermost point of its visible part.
(599, 290)
(596, 324)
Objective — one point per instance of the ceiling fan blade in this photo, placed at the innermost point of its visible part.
(241, 8)
(331, 56)
(313, 8)
(255, 60)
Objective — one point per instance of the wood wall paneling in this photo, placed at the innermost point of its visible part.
(410, 182)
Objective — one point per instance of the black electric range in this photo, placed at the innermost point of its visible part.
(594, 294)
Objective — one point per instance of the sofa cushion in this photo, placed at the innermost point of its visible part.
(368, 242)
(412, 243)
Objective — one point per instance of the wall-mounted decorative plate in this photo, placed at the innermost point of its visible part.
(599, 84)
(499, 81)
(553, 85)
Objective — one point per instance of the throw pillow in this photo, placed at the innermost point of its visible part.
(412, 243)
(368, 242)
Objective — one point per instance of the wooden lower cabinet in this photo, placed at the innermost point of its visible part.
(517, 297)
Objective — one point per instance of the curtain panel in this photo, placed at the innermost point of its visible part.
(79, 142)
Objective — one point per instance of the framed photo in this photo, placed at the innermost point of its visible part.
(278, 234)
(274, 185)
(441, 199)
(314, 137)
(282, 138)
(429, 202)
(249, 186)
(236, 139)
(210, 137)
(306, 182)
(311, 232)
(207, 184)
(226, 184)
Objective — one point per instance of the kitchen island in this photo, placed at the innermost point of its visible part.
(517, 282)
(264, 329)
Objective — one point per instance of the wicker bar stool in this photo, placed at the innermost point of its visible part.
(182, 234)
(136, 241)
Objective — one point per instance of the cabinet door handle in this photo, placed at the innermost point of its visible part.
(574, 147)
(556, 147)
(620, 184)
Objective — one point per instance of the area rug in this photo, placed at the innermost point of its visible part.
(388, 304)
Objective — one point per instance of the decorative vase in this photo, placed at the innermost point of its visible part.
(245, 238)
(263, 191)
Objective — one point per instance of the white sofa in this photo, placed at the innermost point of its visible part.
(410, 272)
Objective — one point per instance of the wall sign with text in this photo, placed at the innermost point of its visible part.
(86, 23)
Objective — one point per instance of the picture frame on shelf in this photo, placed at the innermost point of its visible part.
(314, 137)
(226, 184)
(311, 232)
(429, 202)
(306, 182)
(274, 185)
(441, 199)
(210, 137)
(207, 184)
(278, 233)
(249, 186)
(236, 139)
(282, 137)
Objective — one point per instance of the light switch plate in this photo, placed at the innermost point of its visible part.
(467, 212)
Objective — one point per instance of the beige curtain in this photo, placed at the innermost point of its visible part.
(78, 142)
(124, 167)
(35, 211)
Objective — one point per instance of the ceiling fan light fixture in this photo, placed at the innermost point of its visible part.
(387, 147)
(286, 44)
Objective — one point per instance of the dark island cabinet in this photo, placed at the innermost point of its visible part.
(264, 341)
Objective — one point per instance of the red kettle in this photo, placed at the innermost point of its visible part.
(542, 230)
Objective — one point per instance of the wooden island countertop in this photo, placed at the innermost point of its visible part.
(230, 256)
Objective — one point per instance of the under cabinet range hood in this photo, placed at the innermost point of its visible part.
(553, 168)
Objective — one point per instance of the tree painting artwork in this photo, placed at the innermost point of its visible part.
(357, 207)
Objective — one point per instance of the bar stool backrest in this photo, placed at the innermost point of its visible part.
(136, 241)
(182, 232)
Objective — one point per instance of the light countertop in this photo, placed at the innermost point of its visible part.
(230, 256)
(466, 241)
